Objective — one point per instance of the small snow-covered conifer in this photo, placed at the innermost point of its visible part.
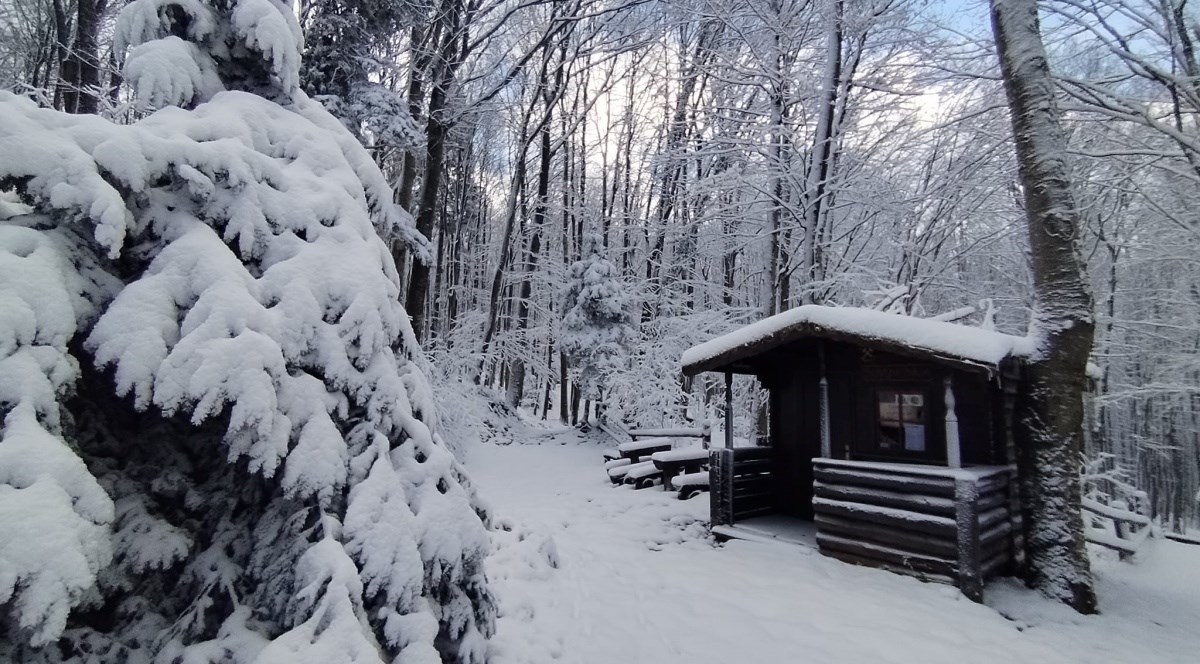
(596, 328)
(217, 442)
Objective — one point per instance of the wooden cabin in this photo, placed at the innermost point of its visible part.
(892, 434)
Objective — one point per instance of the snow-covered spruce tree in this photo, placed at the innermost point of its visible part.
(342, 65)
(217, 442)
(596, 329)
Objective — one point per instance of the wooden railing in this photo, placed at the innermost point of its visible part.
(1115, 526)
(929, 521)
(739, 484)
(1116, 513)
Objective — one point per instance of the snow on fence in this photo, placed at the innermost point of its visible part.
(1115, 512)
(621, 434)
(614, 429)
(940, 522)
(1115, 526)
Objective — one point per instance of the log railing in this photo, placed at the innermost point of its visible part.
(929, 521)
(739, 484)
(1115, 526)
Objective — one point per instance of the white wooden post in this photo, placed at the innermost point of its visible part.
(826, 443)
(953, 450)
(729, 410)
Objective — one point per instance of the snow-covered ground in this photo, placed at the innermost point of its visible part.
(588, 572)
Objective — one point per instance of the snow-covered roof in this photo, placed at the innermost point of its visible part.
(939, 340)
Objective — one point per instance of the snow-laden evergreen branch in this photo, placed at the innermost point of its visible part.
(281, 491)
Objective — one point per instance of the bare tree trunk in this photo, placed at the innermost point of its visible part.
(574, 405)
(62, 46)
(79, 73)
(675, 168)
(1051, 411)
(821, 157)
(510, 221)
(538, 221)
(563, 384)
(416, 95)
(437, 128)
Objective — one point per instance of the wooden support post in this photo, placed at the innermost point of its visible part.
(720, 487)
(729, 410)
(966, 517)
(826, 442)
(953, 449)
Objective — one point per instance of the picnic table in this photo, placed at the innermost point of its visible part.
(675, 462)
(636, 450)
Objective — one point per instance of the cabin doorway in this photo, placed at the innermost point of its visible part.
(795, 442)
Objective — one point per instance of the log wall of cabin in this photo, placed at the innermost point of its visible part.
(950, 524)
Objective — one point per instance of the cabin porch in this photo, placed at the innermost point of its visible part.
(779, 528)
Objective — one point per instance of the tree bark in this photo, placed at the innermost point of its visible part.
(79, 74)
(822, 155)
(1051, 408)
(437, 129)
(541, 203)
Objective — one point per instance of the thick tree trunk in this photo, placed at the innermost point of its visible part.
(1051, 411)
(79, 72)
(416, 94)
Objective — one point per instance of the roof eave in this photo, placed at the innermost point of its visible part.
(725, 361)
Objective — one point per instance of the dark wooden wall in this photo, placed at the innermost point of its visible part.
(795, 428)
(792, 374)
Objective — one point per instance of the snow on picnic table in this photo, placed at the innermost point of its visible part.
(647, 444)
(638, 580)
(684, 454)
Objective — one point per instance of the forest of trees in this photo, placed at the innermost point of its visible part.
(725, 160)
(737, 158)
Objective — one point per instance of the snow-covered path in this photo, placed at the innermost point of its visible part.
(638, 581)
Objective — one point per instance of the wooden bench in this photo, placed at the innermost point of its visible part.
(617, 469)
(690, 484)
(642, 475)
